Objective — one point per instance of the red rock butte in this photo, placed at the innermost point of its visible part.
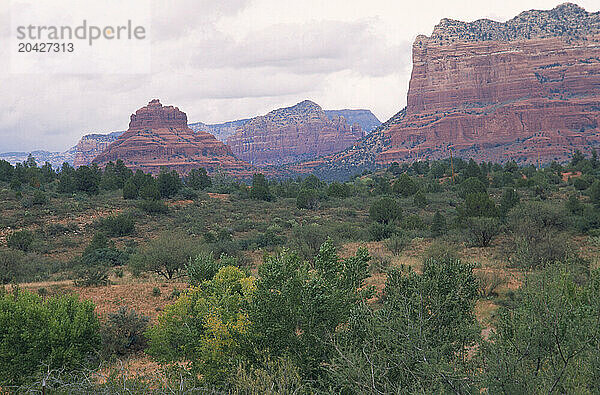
(527, 90)
(158, 136)
(292, 134)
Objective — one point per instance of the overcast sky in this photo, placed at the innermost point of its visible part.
(220, 60)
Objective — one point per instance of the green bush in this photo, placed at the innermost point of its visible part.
(123, 333)
(92, 276)
(166, 255)
(203, 329)
(385, 211)
(130, 189)
(405, 185)
(20, 240)
(39, 198)
(35, 335)
(153, 206)
(379, 231)
(482, 230)
(396, 244)
(202, 268)
(118, 225)
(307, 199)
(438, 225)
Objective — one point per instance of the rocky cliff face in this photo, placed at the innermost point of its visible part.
(364, 118)
(91, 145)
(292, 134)
(220, 130)
(158, 136)
(525, 90)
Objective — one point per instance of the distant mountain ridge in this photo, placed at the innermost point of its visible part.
(289, 134)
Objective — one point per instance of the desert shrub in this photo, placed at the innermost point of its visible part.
(156, 292)
(61, 332)
(297, 305)
(412, 222)
(405, 185)
(379, 231)
(482, 230)
(438, 225)
(202, 268)
(489, 282)
(166, 255)
(123, 332)
(20, 240)
(130, 189)
(118, 225)
(153, 207)
(338, 190)
(260, 188)
(426, 321)
(39, 198)
(188, 193)
(168, 183)
(478, 205)
(471, 186)
(307, 199)
(92, 276)
(270, 377)
(385, 211)
(198, 179)
(594, 192)
(420, 200)
(203, 327)
(307, 239)
(537, 233)
(547, 341)
(105, 257)
(10, 262)
(440, 251)
(396, 244)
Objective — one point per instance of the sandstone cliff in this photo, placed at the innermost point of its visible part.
(522, 90)
(158, 136)
(91, 145)
(292, 134)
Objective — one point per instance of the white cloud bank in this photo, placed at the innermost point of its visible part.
(229, 59)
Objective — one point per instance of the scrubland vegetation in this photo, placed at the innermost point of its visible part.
(428, 277)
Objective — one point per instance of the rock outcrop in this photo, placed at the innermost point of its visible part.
(92, 145)
(158, 136)
(220, 130)
(364, 118)
(525, 90)
(292, 134)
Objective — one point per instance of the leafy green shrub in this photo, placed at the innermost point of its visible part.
(20, 240)
(39, 198)
(438, 225)
(60, 332)
(471, 186)
(396, 244)
(405, 185)
(156, 292)
(420, 200)
(307, 199)
(385, 211)
(153, 207)
(202, 268)
(307, 239)
(482, 230)
(131, 189)
(118, 225)
(123, 332)
(379, 231)
(260, 188)
(547, 341)
(105, 257)
(270, 377)
(92, 276)
(338, 190)
(188, 193)
(433, 312)
(297, 305)
(166, 255)
(203, 328)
